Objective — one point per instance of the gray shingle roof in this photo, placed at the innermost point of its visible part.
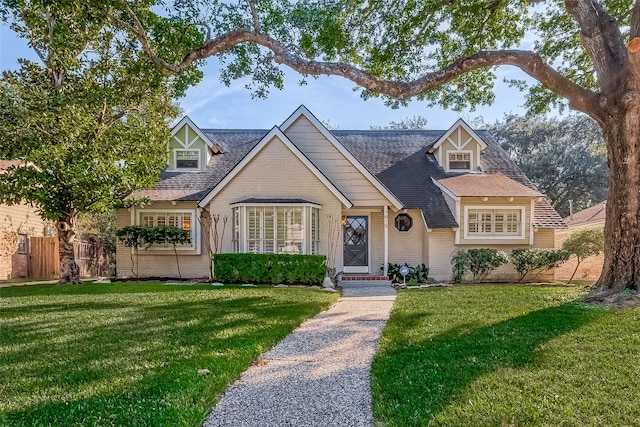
(398, 158)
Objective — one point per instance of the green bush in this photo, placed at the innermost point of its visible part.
(478, 262)
(270, 268)
(419, 274)
(584, 244)
(529, 260)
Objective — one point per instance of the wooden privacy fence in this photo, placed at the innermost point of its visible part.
(44, 262)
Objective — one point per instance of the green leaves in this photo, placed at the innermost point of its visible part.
(585, 243)
(478, 262)
(137, 236)
(91, 119)
(565, 158)
(529, 260)
(270, 268)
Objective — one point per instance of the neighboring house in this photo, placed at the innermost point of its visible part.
(591, 267)
(18, 223)
(411, 196)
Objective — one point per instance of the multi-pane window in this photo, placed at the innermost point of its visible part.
(23, 243)
(494, 222)
(315, 231)
(187, 159)
(459, 161)
(235, 239)
(183, 220)
(278, 229)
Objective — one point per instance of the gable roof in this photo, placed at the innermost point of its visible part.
(490, 185)
(398, 159)
(456, 126)
(187, 121)
(302, 111)
(275, 132)
(593, 215)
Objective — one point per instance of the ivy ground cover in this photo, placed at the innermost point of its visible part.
(506, 356)
(128, 354)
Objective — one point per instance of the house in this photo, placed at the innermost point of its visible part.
(364, 197)
(18, 224)
(591, 268)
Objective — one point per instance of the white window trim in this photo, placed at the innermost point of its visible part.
(195, 229)
(243, 214)
(470, 152)
(480, 236)
(175, 159)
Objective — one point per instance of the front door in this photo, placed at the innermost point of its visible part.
(356, 244)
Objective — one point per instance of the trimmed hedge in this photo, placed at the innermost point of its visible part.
(270, 268)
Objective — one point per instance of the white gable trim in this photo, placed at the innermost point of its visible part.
(303, 111)
(444, 189)
(187, 121)
(275, 133)
(456, 127)
(457, 213)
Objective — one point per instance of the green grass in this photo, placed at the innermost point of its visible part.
(507, 356)
(128, 354)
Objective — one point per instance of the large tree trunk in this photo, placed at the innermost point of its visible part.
(621, 268)
(69, 271)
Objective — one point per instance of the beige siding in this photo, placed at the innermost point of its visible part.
(159, 263)
(21, 219)
(345, 176)
(459, 140)
(451, 203)
(188, 139)
(441, 247)
(264, 177)
(496, 202)
(406, 246)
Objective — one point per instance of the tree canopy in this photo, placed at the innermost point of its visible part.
(408, 123)
(565, 157)
(89, 121)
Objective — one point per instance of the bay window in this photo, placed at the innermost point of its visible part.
(276, 229)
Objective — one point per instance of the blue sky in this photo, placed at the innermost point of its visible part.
(213, 105)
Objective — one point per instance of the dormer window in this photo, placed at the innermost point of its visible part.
(187, 159)
(459, 161)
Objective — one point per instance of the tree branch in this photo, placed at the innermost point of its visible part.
(254, 16)
(635, 21)
(601, 38)
(580, 99)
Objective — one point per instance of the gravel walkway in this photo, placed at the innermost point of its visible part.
(316, 376)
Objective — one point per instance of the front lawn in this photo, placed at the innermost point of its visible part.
(128, 353)
(506, 356)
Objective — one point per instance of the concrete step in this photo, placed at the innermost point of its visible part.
(364, 283)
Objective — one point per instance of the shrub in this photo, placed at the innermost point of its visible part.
(419, 273)
(270, 268)
(135, 236)
(583, 244)
(529, 260)
(478, 262)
